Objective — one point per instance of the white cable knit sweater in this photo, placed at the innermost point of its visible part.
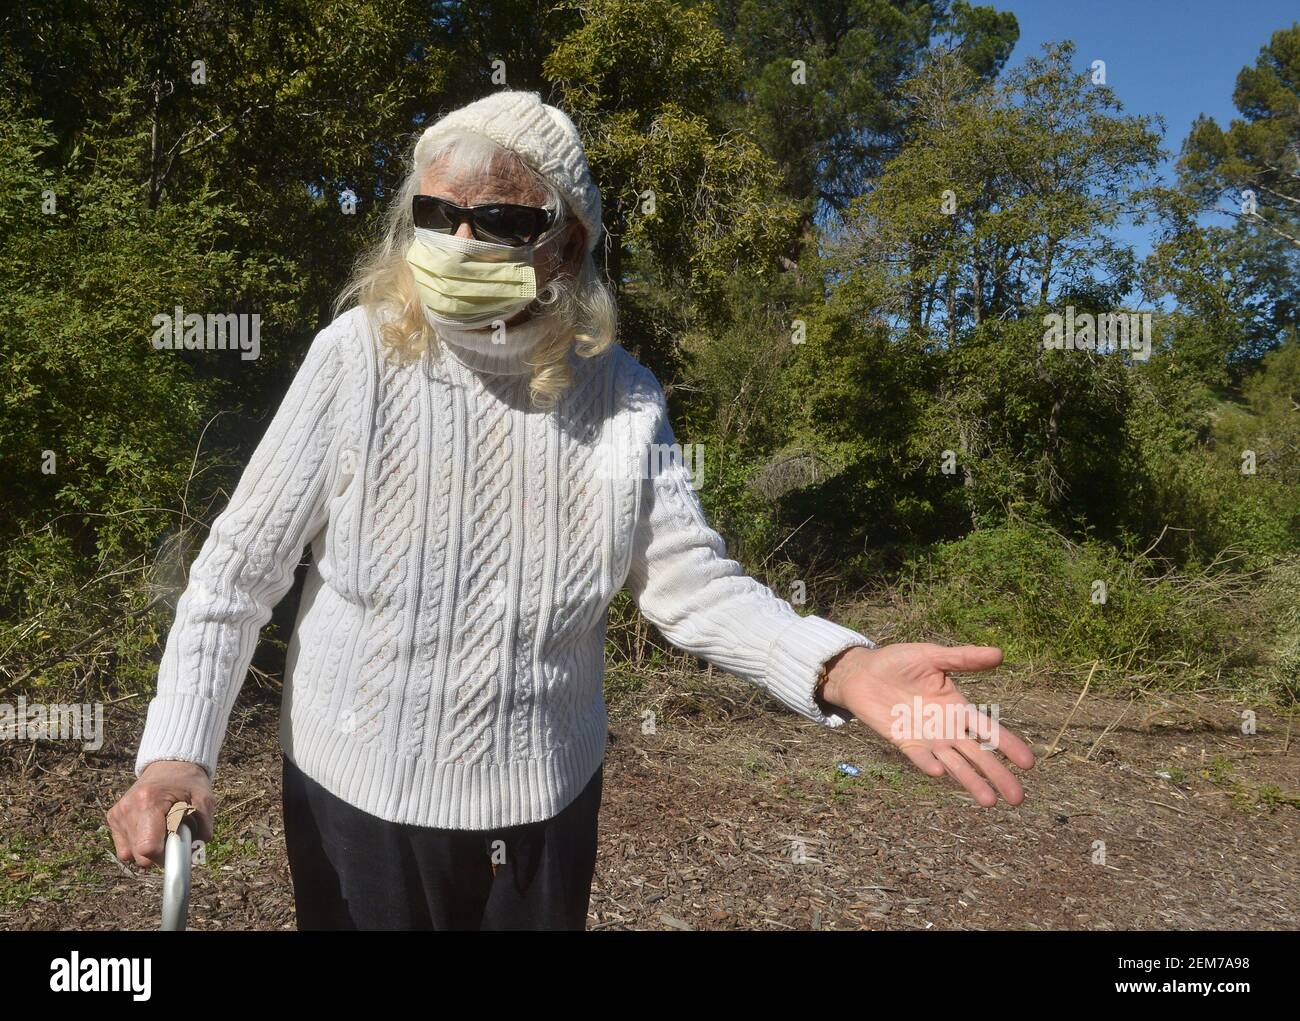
(447, 664)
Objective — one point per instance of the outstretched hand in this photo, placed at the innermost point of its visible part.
(903, 692)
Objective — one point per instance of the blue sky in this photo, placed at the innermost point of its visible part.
(1177, 58)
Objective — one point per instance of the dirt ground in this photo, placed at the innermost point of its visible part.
(1152, 813)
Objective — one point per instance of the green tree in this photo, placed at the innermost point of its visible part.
(832, 123)
(998, 210)
(688, 202)
(1259, 153)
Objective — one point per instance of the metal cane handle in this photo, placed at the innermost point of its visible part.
(176, 877)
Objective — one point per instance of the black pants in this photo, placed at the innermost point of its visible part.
(353, 870)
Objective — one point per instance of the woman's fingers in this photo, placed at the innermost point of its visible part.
(149, 833)
(966, 658)
(965, 774)
(1010, 744)
(121, 841)
(987, 763)
(922, 757)
(971, 765)
(991, 734)
(138, 822)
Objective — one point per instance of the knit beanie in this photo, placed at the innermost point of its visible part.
(542, 135)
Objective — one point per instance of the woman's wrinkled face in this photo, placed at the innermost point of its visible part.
(507, 180)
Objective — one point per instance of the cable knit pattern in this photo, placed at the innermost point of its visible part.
(528, 655)
(581, 551)
(446, 668)
(430, 616)
(393, 485)
(488, 541)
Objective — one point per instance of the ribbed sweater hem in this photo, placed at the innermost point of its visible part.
(443, 794)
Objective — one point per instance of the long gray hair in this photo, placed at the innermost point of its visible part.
(582, 307)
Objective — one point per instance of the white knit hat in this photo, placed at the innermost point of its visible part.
(542, 135)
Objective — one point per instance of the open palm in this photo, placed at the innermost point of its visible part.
(903, 692)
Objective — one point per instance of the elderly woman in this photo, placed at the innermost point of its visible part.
(478, 469)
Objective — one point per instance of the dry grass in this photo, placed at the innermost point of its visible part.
(732, 814)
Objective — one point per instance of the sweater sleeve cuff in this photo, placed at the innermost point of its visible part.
(796, 661)
(184, 728)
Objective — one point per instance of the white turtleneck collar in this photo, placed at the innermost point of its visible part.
(477, 350)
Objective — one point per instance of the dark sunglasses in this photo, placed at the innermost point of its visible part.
(497, 222)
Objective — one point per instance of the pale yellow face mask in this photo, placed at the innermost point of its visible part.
(467, 282)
